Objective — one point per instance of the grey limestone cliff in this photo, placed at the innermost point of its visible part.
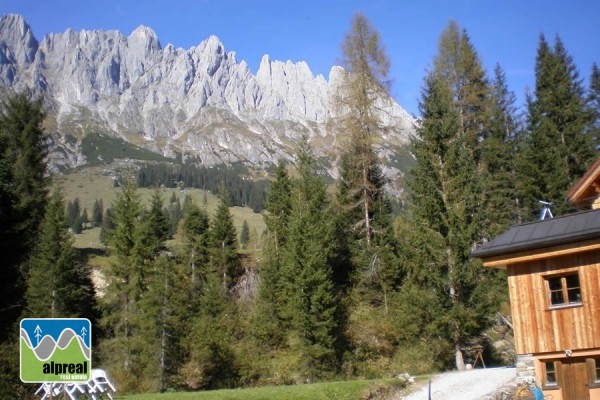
(200, 101)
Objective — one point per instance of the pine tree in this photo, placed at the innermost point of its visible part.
(224, 256)
(559, 145)
(163, 323)
(58, 284)
(307, 276)
(195, 227)
(245, 234)
(446, 210)
(594, 103)
(498, 154)
(269, 322)
(108, 225)
(23, 190)
(97, 212)
(126, 279)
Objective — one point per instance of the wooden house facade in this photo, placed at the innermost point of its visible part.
(553, 269)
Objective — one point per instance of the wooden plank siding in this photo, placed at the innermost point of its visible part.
(540, 328)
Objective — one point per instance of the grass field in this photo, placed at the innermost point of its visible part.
(94, 183)
(347, 390)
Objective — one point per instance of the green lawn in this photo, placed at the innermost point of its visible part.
(347, 390)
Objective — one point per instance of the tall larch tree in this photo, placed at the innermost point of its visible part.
(559, 145)
(446, 210)
(458, 63)
(364, 88)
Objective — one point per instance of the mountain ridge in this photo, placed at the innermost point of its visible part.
(200, 102)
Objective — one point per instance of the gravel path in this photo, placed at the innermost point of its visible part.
(473, 384)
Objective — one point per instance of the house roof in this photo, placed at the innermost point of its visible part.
(585, 191)
(544, 233)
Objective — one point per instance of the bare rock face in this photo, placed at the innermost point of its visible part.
(200, 101)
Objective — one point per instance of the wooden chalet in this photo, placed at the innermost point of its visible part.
(553, 268)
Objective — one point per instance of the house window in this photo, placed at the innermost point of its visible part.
(564, 290)
(596, 376)
(550, 378)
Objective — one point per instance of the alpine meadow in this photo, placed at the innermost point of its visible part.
(269, 234)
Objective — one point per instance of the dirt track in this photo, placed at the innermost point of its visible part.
(476, 384)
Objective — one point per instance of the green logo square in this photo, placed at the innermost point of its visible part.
(56, 350)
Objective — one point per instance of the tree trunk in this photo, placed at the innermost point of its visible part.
(458, 357)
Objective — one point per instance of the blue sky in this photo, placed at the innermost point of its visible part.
(503, 31)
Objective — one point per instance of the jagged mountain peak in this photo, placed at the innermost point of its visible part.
(17, 42)
(146, 36)
(200, 102)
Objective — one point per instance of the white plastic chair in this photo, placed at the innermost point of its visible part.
(74, 390)
(49, 390)
(99, 385)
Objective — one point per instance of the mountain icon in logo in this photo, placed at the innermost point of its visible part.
(55, 350)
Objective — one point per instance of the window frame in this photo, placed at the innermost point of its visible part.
(561, 284)
(546, 383)
(594, 372)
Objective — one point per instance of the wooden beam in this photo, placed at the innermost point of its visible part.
(502, 261)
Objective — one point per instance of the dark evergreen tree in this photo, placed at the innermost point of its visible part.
(498, 154)
(594, 102)
(224, 257)
(58, 284)
(446, 209)
(23, 190)
(108, 225)
(308, 286)
(97, 213)
(195, 229)
(270, 305)
(163, 324)
(559, 145)
(74, 215)
(175, 213)
(126, 282)
(245, 234)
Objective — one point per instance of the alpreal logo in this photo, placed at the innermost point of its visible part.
(56, 350)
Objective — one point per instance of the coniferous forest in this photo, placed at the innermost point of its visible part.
(343, 287)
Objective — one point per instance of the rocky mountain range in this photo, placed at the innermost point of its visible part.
(200, 102)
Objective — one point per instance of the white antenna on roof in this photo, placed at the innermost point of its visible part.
(545, 211)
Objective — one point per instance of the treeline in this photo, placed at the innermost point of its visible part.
(241, 189)
(342, 288)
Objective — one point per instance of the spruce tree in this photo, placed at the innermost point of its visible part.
(163, 323)
(308, 287)
(270, 315)
(559, 145)
(195, 228)
(23, 190)
(97, 212)
(58, 284)
(445, 208)
(245, 234)
(126, 280)
(502, 203)
(224, 243)
(594, 103)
